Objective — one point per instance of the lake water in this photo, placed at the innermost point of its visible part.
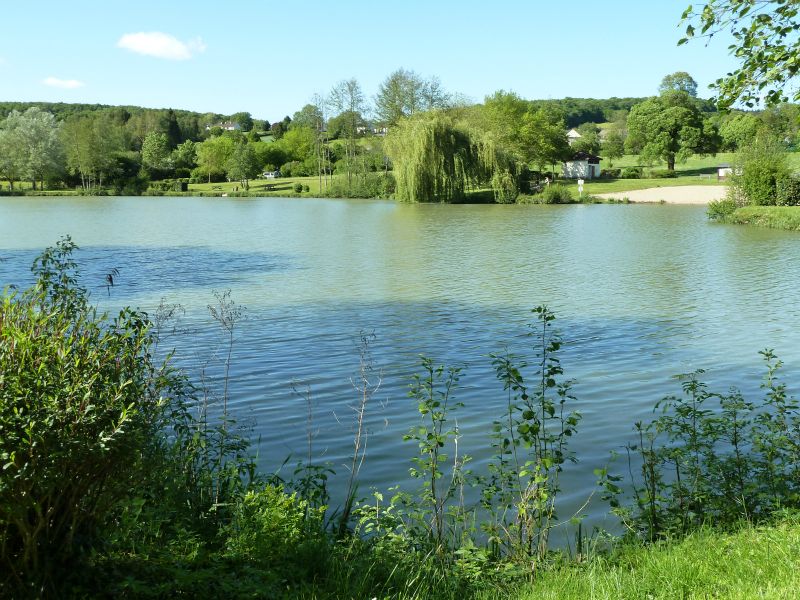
(641, 293)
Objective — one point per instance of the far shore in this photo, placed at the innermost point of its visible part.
(684, 194)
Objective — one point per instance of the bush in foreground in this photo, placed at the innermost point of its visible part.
(81, 400)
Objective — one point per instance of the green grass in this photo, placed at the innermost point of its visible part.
(282, 186)
(759, 562)
(697, 170)
(773, 217)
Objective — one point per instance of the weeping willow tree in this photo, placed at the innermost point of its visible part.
(436, 160)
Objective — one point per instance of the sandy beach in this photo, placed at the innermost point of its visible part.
(681, 194)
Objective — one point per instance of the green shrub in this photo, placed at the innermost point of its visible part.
(557, 194)
(504, 187)
(306, 189)
(662, 174)
(294, 168)
(631, 173)
(758, 169)
(718, 210)
(713, 458)
(788, 191)
(298, 187)
(267, 525)
(610, 173)
(80, 398)
(368, 185)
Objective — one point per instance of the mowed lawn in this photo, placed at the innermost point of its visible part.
(756, 562)
(282, 186)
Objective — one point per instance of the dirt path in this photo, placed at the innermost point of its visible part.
(679, 194)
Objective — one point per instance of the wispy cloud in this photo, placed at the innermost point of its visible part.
(64, 84)
(161, 45)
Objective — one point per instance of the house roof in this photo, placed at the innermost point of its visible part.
(591, 158)
(572, 133)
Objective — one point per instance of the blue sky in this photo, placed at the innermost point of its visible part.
(270, 58)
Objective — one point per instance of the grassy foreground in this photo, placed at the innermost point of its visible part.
(761, 562)
(773, 217)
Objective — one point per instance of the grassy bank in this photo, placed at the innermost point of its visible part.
(761, 562)
(697, 170)
(773, 217)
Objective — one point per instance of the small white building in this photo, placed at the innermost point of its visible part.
(724, 171)
(573, 135)
(582, 165)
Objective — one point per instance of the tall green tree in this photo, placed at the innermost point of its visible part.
(679, 81)
(765, 43)
(545, 137)
(434, 159)
(243, 164)
(12, 156)
(244, 119)
(348, 103)
(589, 140)
(404, 93)
(614, 147)
(185, 155)
(738, 130)
(91, 143)
(156, 158)
(213, 155)
(30, 146)
(311, 115)
(169, 126)
(669, 127)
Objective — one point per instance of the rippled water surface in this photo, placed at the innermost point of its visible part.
(641, 293)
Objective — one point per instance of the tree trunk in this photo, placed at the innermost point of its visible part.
(670, 162)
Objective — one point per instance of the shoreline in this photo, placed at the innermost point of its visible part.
(683, 194)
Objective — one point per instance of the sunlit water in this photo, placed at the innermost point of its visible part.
(642, 293)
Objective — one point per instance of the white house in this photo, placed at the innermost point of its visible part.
(582, 165)
(226, 126)
(724, 171)
(573, 135)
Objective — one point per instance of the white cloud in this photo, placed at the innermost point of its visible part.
(161, 45)
(64, 84)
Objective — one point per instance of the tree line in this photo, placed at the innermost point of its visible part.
(413, 140)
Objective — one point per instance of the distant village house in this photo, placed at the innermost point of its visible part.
(573, 135)
(226, 126)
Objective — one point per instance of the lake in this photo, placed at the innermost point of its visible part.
(641, 292)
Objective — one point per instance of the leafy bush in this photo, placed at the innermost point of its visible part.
(713, 458)
(268, 525)
(631, 173)
(504, 187)
(298, 187)
(788, 191)
(170, 185)
(557, 194)
(610, 173)
(718, 210)
(306, 189)
(367, 185)
(758, 169)
(662, 174)
(294, 168)
(79, 401)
